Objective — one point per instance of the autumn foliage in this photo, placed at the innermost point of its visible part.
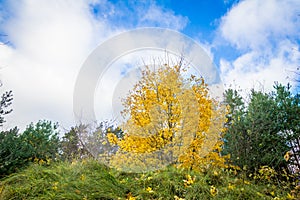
(169, 119)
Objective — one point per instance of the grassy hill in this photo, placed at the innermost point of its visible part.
(87, 179)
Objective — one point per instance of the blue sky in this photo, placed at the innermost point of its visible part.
(44, 43)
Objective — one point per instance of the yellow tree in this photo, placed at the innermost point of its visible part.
(169, 119)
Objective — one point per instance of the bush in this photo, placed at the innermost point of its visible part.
(261, 131)
(37, 142)
(41, 141)
(11, 155)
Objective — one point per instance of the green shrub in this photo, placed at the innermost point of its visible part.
(38, 142)
(11, 154)
(262, 128)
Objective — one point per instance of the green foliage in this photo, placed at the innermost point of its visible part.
(40, 141)
(288, 120)
(37, 142)
(11, 155)
(262, 130)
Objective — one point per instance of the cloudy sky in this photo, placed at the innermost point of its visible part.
(45, 43)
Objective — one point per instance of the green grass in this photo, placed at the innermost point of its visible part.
(90, 180)
(79, 180)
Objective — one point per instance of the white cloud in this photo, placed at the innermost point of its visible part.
(50, 41)
(155, 15)
(267, 32)
(250, 71)
(254, 23)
